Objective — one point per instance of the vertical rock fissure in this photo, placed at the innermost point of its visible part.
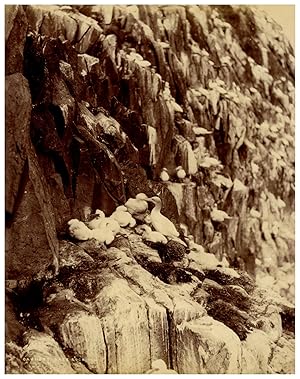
(149, 333)
(170, 339)
(106, 349)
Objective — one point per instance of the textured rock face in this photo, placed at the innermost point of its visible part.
(98, 100)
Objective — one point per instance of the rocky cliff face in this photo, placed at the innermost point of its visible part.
(98, 100)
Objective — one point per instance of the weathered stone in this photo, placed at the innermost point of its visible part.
(15, 35)
(206, 346)
(125, 324)
(72, 255)
(250, 365)
(13, 359)
(29, 257)
(283, 357)
(42, 355)
(158, 330)
(76, 27)
(17, 121)
(259, 345)
(13, 328)
(83, 334)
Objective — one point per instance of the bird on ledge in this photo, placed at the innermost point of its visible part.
(160, 222)
(137, 205)
(164, 175)
(152, 236)
(181, 174)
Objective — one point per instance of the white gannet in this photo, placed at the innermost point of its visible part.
(181, 174)
(112, 224)
(201, 131)
(123, 217)
(218, 215)
(164, 175)
(160, 222)
(103, 235)
(97, 220)
(152, 236)
(79, 230)
(137, 205)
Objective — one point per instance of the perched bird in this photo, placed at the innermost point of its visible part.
(152, 236)
(97, 220)
(103, 235)
(160, 222)
(201, 131)
(218, 215)
(159, 367)
(193, 246)
(164, 175)
(137, 205)
(181, 174)
(112, 224)
(79, 230)
(123, 217)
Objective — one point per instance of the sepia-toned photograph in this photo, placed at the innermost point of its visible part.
(149, 189)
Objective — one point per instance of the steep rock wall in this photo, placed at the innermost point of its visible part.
(81, 106)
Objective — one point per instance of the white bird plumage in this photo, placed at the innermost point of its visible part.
(79, 230)
(181, 174)
(218, 215)
(164, 175)
(97, 221)
(102, 235)
(112, 224)
(137, 205)
(151, 235)
(201, 131)
(160, 222)
(123, 217)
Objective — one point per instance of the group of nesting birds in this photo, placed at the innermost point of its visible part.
(155, 228)
(165, 176)
(104, 229)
